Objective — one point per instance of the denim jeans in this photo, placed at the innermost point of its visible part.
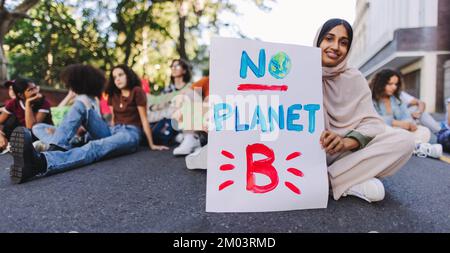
(79, 115)
(40, 130)
(444, 138)
(105, 142)
(427, 120)
(44, 133)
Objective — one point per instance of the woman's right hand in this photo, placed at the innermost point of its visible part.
(403, 124)
(412, 127)
(158, 147)
(71, 94)
(409, 126)
(331, 142)
(30, 100)
(3, 142)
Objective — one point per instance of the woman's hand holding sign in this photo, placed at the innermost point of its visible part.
(333, 143)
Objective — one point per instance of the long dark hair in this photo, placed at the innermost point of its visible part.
(381, 80)
(332, 23)
(132, 79)
(84, 79)
(20, 85)
(187, 70)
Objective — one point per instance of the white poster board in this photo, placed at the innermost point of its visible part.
(266, 117)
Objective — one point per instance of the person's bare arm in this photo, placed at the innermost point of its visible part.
(421, 108)
(448, 117)
(400, 124)
(146, 127)
(333, 143)
(112, 115)
(30, 117)
(69, 97)
(3, 141)
(3, 117)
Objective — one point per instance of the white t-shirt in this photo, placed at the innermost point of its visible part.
(406, 98)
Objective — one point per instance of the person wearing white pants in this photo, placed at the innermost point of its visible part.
(416, 108)
(386, 87)
(360, 148)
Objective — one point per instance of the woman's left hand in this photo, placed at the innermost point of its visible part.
(331, 142)
(412, 127)
(158, 147)
(30, 100)
(416, 115)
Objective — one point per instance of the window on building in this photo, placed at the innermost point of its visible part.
(411, 82)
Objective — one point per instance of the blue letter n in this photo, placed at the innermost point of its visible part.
(247, 62)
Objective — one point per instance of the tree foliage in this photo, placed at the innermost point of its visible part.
(144, 34)
(51, 39)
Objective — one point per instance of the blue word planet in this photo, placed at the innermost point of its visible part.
(275, 119)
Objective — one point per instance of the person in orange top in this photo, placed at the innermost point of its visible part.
(203, 84)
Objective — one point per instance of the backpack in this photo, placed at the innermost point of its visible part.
(163, 132)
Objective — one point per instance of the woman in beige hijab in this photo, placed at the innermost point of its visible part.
(360, 148)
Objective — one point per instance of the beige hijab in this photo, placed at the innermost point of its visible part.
(347, 101)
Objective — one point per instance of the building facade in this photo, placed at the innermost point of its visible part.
(412, 36)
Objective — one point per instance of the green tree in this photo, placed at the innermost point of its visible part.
(39, 47)
(144, 34)
(8, 17)
(164, 30)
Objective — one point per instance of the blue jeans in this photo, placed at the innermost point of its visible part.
(443, 138)
(427, 120)
(41, 132)
(105, 142)
(77, 116)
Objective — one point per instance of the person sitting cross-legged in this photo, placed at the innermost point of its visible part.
(129, 117)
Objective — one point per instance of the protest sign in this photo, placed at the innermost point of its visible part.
(266, 117)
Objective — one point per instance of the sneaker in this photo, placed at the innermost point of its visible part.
(40, 146)
(54, 147)
(371, 190)
(27, 161)
(203, 137)
(426, 149)
(78, 141)
(7, 149)
(189, 144)
(197, 160)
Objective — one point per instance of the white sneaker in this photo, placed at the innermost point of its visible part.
(40, 146)
(179, 138)
(426, 149)
(188, 145)
(197, 160)
(371, 190)
(7, 149)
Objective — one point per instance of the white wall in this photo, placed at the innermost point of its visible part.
(375, 27)
(447, 80)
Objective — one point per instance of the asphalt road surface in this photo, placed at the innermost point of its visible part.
(154, 192)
